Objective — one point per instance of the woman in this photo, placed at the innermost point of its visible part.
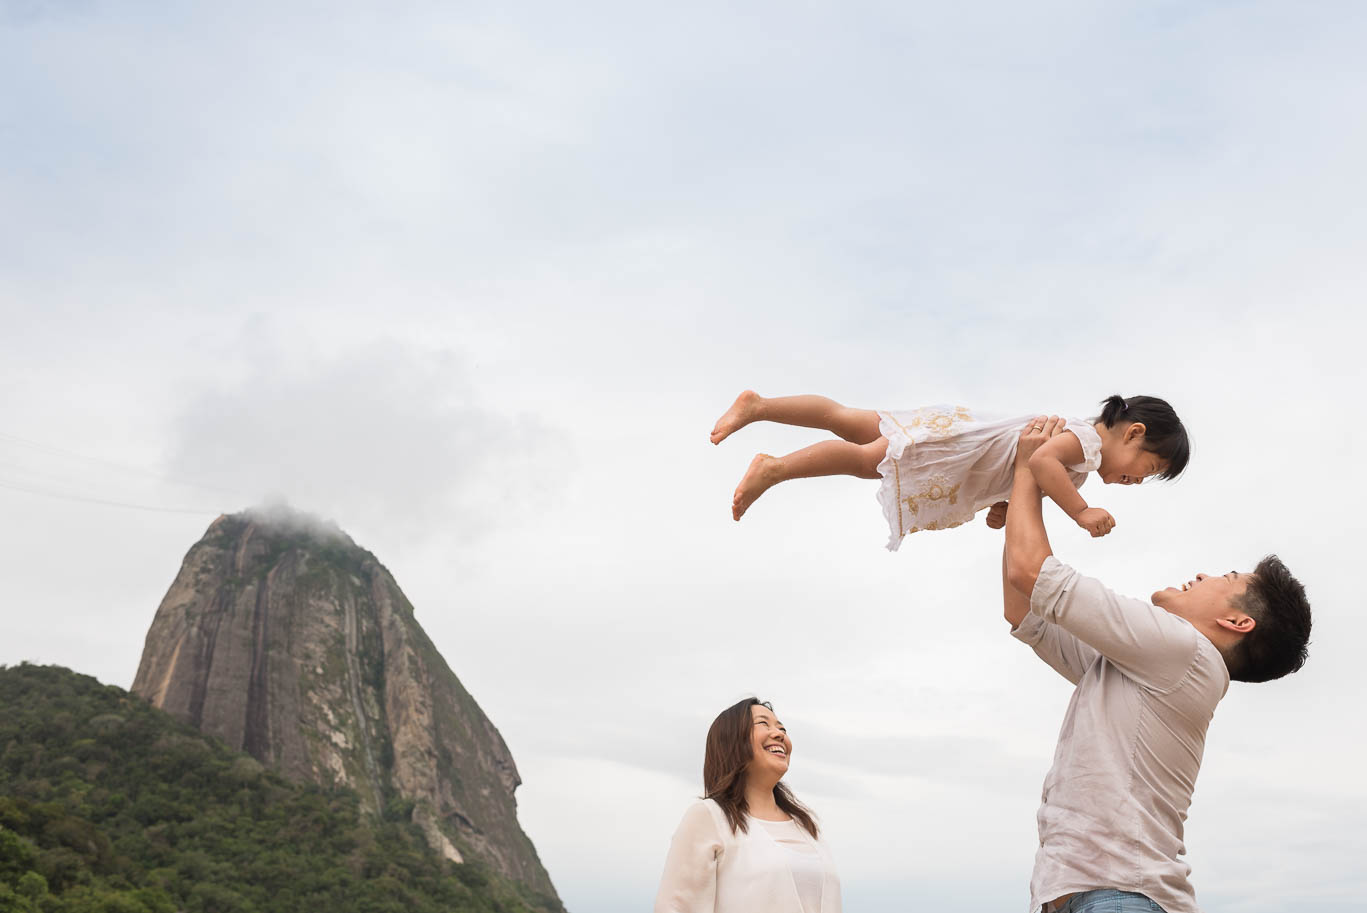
(749, 846)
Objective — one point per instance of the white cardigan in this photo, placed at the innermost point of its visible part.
(711, 870)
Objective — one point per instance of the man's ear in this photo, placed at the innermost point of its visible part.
(1237, 622)
(1135, 432)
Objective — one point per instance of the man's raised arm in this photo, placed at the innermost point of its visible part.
(1027, 542)
(1083, 617)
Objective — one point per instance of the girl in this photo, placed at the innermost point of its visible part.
(749, 846)
(942, 464)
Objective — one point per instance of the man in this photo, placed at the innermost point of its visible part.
(1148, 678)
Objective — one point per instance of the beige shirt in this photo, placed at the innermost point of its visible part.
(710, 869)
(1130, 748)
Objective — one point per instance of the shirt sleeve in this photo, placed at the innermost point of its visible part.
(1151, 646)
(1091, 445)
(1065, 654)
(689, 884)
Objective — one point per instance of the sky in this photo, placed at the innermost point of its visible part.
(474, 281)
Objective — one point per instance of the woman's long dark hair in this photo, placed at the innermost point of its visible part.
(1164, 433)
(723, 769)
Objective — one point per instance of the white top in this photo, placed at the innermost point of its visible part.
(1114, 802)
(709, 869)
(804, 861)
(945, 463)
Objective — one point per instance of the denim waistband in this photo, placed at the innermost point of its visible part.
(1106, 900)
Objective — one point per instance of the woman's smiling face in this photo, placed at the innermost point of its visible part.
(770, 746)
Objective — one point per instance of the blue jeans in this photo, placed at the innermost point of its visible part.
(1110, 901)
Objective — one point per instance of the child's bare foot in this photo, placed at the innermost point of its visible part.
(758, 479)
(996, 515)
(742, 412)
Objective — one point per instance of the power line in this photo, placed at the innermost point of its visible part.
(41, 474)
(107, 503)
(122, 467)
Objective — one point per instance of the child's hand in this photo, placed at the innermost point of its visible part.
(1096, 521)
(996, 515)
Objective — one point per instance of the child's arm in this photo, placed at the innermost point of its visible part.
(1049, 465)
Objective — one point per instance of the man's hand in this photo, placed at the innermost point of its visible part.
(1096, 521)
(996, 515)
(1040, 429)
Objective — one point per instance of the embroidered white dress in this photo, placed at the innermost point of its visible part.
(945, 463)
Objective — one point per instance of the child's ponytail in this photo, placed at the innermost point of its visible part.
(1163, 431)
(1112, 407)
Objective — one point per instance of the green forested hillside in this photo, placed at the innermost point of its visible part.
(110, 806)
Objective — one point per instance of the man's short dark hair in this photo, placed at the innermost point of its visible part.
(1277, 644)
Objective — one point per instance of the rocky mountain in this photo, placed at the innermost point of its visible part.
(285, 639)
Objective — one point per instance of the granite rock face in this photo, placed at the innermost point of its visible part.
(285, 639)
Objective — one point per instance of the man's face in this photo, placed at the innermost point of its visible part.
(1205, 600)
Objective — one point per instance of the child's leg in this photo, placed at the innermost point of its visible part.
(828, 458)
(858, 426)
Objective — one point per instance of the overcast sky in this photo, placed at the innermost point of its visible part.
(475, 282)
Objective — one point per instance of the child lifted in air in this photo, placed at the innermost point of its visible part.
(942, 464)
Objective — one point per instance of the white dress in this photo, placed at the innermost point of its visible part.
(945, 463)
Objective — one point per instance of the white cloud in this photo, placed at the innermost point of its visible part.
(386, 437)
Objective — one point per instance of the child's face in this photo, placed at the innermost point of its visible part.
(1124, 461)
